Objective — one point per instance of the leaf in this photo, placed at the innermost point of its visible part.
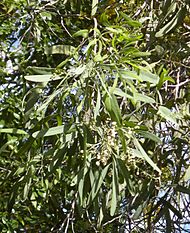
(127, 74)
(12, 131)
(77, 70)
(94, 7)
(149, 135)
(91, 43)
(177, 18)
(60, 49)
(114, 190)
(56, 161)
(167, 114)
(144, 155)
(98, 181)
(168, 221)
(98, 103)
(42, 78)
(126, 174)
(119, 92)
(83, 33)
(49, 99)
(186, 176)
(140, 54)
(51, 131)
(143, 98)
(135, 96)
(129, 21)
(173, 209)
(147, 76)
(39, 70)
(182, 189)
(113, 108)
(115, 30)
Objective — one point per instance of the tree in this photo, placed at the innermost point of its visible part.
(94, 116)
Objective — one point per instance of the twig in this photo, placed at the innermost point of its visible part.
(137, 13)
(176, 62)
(180, 84)
(112, 220)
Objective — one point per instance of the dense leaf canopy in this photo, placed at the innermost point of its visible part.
(94, 116)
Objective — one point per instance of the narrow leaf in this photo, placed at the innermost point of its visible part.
(149, 135)
(144, 155)
(53, 131)
(42, 78)
(60, 49)
(12, 131)
(177, 18)
(94, 7)
(83, 33)
(187, 174)
(114, 191)
(167, 114)
(147, 76)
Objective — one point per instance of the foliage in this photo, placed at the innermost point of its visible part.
(94, 120)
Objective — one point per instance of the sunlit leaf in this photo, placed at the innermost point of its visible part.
(12, 131)
(94, 7)
(83, 33)
(60, 49)
(167, 114)
(50, 132)
(42, 78)
(114, 191)
(187, 174)
(148, 76)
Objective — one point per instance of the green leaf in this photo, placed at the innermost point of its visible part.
(98, 104)
(129, 21)
(98, 181)
(77, 70)
(113, 108)
(149, 135)
(12, 131)
(60, 49)
(144, 155)
(147, 76)
(127, 74)
(167, 114)
(94, 7)
(186, 176)
(126, 174)
(114, 190)
(168, 221)
(177, 18)
(182, 189)
(140, 54)
(143, 98)
(135, 96)
(51, 131)
(83, 33)
(39, 70)
(42, 78)
(173, 209)
(119, 92)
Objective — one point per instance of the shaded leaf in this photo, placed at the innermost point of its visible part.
(144, 155)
